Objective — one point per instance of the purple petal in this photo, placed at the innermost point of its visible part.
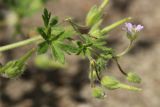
(139, 28)
(129, 26)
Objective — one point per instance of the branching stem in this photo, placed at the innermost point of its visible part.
(21, 43)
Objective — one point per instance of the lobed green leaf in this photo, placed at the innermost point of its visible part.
(42, 48)
(57, 52)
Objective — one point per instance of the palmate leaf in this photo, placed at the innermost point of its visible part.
(49, 31)
(42, 33)
(69, 33)
(54, 21)
(68, 48)
(42, 48)
(56, 37)
(57, 53)
(46, 17)
(57, 30)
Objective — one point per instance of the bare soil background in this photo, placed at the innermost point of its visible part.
(70, 87)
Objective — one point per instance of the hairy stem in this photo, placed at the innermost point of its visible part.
(21, 43)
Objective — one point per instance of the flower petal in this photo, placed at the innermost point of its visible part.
(139, 28)
(129, 26)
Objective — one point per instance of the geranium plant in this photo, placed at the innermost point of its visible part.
(90, 43)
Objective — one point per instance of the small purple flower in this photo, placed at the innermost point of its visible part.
(132, 30)
(139, 28)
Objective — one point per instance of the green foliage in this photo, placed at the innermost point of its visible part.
(91, 44)
(88, 41)
(54, 36)
(58, 53)
(42, 48)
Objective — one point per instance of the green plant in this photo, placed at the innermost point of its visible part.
(59, 40)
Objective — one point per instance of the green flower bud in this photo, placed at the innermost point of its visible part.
(110, 82)
(133, 77)
(44, 62)
(15, 68)
(97, 92)
(95, 14)
(92, 75)
(12, 69)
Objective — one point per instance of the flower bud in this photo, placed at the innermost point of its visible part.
(15, 68)
(12, 69)
(97, 92)
(95, 14)
(110, 82)
(133, 77)
(92, 75)
(45, 62)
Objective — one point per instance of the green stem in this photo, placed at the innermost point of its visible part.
(21, 43)
(125, 51)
